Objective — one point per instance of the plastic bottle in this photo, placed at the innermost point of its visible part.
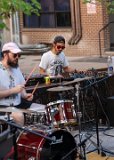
(110, 66)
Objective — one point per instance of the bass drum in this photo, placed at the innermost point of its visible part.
(33, 147)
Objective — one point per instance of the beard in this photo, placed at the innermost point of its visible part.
(13, 64)
(58, 52)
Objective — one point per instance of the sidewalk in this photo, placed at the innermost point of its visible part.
(28, 62)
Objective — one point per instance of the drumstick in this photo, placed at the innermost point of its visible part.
(35, 88)
(30, 74)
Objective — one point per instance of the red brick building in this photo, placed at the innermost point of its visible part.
(79, 23)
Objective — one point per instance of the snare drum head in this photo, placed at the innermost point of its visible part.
(39, 148)
(37, 107)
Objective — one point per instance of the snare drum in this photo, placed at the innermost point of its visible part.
(33, 147)
(61, 111)
(38, 116)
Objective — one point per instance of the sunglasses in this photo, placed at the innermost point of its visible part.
(16, 55)
(60, 47)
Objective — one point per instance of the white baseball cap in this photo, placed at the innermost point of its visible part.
(11, 46)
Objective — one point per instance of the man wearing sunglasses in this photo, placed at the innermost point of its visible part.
(54, 62)
(12, 83)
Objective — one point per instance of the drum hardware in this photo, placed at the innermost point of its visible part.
(76, 102)
(37, 115)
(98, 103)
(30, 147)
(76, 84)
(3, 125)
(35, 118)
(69, 153)
(79, 115)
(54, 111)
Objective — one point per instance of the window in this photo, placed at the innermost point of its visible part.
(54, 14)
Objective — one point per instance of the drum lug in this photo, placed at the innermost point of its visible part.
(31, 147)
(32, 158)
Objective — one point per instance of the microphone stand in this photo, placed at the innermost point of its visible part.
(97, 119)
(96, 96)
(29, 130)
(13, 130)
(79, 115)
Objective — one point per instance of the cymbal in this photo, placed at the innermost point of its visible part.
(14, 109)
(60, 89)
(77, 80)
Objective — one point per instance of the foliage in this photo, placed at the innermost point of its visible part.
(9, 7)
(109, 4)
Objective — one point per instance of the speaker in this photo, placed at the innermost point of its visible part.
(110, 110)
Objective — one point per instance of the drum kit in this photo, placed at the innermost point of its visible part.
(44, 135)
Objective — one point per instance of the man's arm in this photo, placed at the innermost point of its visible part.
(14, 90)
(70, 70)
(42, 71)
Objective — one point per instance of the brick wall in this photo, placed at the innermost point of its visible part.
(88, 44)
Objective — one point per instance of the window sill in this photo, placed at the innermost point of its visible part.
(46, 29)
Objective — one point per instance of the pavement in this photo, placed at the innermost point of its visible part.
(29, 62)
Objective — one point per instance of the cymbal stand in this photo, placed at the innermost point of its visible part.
(13, 131)
(79, 115)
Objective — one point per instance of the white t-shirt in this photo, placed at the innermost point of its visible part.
(8, 79)
(52, 63)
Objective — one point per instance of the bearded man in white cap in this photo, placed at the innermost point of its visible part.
(12, 83)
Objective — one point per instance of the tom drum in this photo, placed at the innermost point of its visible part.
(61, 111)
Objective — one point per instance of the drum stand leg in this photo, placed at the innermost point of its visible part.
(15, 144)
(13, 131)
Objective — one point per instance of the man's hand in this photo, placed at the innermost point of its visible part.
(17, 89)
(29, 96)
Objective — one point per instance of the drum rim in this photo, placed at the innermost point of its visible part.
(58, 102)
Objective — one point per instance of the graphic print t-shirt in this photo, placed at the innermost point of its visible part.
(52, 63)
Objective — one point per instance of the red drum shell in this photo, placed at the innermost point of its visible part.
(68, 111)
(38, 148)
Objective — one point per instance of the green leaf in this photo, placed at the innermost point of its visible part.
(3, 25)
